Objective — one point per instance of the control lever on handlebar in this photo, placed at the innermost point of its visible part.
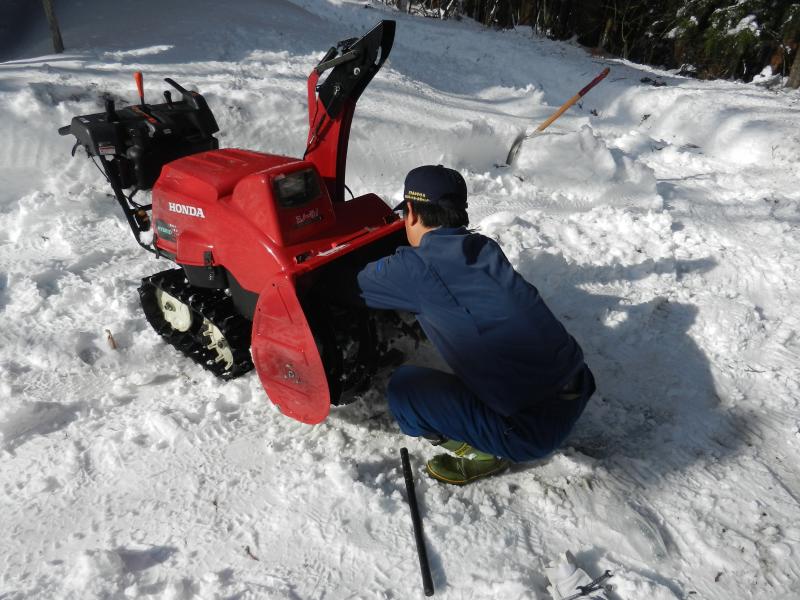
(67, 130)
(329, 64)
(187, 95)
(139, 79)
(111, 113)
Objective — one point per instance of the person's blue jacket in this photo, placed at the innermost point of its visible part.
(490, 325)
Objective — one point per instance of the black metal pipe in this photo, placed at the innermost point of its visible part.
(425, 569)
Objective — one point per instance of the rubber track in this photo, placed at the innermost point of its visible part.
(213, 305)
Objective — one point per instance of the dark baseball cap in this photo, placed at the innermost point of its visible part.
(435, 184)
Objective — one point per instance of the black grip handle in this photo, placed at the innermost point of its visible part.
(344, 58)
(188, 96)
(65, 130)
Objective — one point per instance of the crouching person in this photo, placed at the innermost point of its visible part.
(519, 382)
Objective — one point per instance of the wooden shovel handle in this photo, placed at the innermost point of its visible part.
(573, 100)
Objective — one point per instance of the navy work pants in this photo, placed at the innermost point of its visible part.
(427, 402)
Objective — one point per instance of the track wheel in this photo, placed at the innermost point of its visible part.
(174, 312)
(203, 324)
(215, 341)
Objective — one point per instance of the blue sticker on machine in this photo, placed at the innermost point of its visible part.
(166, 231)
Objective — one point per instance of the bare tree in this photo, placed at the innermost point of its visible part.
(794, 74)
(58, 44)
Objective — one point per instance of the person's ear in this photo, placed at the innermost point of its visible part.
(412, 215)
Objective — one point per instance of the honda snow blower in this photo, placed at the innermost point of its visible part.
(257, 236)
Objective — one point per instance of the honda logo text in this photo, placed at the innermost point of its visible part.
(183, 209)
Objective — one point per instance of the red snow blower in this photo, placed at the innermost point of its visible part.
(257, 236)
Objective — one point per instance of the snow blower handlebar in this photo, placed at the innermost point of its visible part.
(134, 142)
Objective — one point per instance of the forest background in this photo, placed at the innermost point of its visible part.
(732, 39)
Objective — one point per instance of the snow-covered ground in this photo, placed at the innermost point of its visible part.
(660, 223)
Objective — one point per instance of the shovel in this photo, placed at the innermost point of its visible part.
(512, 154)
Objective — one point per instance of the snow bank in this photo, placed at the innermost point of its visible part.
(581, 169)
(747, 128)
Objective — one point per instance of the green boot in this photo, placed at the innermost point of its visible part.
(467, 465)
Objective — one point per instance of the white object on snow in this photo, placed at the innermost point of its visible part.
(566, 577)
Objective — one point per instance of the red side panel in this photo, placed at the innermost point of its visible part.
(285, 354)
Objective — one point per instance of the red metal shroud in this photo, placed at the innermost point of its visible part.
(228, 208)
(209, 219)
(286, 356)
(285, 352)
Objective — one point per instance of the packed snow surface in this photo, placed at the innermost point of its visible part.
(659, 222)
